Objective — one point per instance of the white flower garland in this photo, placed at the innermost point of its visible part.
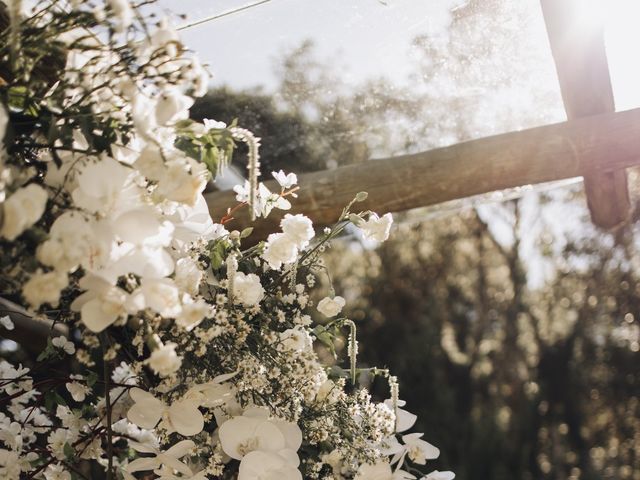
(197, 357)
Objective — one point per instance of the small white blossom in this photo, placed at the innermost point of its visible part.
(56, 472)
(192, 313)
(44, 288)
(377, 228)
(9, 465)
(21, 210)
(298, 228)
(248, 290)
(285, 180)
(164, 360)
(64, 344)
(78, 391)
(6, 322)
(280, 249)
(296, 339)
(331, 307)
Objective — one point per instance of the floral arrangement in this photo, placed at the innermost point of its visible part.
(193, 356)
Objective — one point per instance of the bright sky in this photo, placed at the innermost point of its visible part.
(362, 38)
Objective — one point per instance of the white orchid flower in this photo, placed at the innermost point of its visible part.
(418, 450)
(381, 471)
(214, 393)
(436, 475)
(282, 465)
(169, 458)
(254, 430)
(107, 188)
(182, 416)
(404, 419)
(102, 304)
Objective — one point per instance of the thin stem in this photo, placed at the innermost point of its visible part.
(104, 342)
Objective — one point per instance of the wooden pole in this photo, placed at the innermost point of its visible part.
(31, 333)
(598, 144)
(577, 42)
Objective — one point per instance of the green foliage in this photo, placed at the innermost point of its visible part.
(213, 148)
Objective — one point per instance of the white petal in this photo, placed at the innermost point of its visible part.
(186, 418)
(146, 411)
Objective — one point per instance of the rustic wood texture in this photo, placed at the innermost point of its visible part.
(599, 144)
(577, 43)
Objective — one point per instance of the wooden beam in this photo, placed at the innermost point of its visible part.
(31, 333)
(577, 42)
(598, 144)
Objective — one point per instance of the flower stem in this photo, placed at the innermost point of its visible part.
(104, 342)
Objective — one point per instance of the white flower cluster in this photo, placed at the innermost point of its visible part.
(196, 354)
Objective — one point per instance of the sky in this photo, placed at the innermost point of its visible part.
(363, 38)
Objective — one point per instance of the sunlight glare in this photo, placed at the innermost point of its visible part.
(622, 37)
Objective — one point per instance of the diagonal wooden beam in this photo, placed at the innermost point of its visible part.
(598, 144)
(576, 38)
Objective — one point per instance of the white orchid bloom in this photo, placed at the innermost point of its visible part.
(214, 393)
(160, 295)
(183, 180)
(193, 223)
(254, 430)
(418, 450)
(107, 188)
(169, 458)
(75, 240)
(182, 416)
(259, 464)
(436, 475)
(142, 227)
(102, 304)
(381, 471)
(404, 419)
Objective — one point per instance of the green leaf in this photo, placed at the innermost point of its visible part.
(217, 255)
(69, 451)
(92, 378)
(246, 232)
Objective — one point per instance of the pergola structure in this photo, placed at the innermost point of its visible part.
(595, 143)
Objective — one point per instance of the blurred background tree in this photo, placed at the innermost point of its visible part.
(513, 325)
